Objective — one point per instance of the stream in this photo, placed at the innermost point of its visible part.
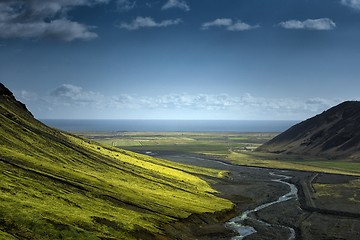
(237, 224)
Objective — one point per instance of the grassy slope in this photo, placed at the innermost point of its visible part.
(55, 185)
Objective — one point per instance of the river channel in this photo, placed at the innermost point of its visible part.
(237, 224)
(246, 222)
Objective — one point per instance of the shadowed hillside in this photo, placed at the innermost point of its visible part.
(55, 185)
(334, 133)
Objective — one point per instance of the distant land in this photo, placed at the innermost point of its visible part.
(170, 125)
(335, 133)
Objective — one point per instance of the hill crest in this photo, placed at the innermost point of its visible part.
(335, 133)
(7, 95)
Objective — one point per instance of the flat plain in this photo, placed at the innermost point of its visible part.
(238, 148)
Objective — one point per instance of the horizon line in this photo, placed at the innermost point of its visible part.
(134, 119)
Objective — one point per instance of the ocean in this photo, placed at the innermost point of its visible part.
(169, 125)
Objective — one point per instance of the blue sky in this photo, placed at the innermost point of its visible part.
(180, 59)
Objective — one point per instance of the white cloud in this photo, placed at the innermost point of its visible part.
(174, 101)
(44, 19)
(28, 96)
(125, 5)
(181, 4)
(228, 24)
(70, 95)
(220, 22)
(309, 24)
(148, 22)
(224, 102)
(351, 3)
(241, 26)
(81, 102)
(61, 29)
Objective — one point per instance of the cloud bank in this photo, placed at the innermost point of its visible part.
(79, 102)
(223, 102)
(44, 19)
(148, 22)
(351, 3)
(125, 5)
(61, 29)
(70, 95)
(181, 4)
(309, 24)
(228, 24)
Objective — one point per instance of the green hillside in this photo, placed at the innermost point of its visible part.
(59, 186)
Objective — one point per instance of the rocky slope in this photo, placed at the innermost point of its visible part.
(334, 133)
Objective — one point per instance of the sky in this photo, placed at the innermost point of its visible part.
(180, 59)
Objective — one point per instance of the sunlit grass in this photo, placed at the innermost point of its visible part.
(349, 192)
(59, 186)
(293, 162)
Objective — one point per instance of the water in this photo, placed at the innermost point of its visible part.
(236, 225)
(169, 125)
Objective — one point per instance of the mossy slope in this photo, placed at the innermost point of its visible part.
(58, 186)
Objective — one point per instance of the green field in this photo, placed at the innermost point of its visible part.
(186, 142)
(237, 148)
(302, 163)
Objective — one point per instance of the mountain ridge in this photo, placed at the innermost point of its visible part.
(335, 133)
(6, 94)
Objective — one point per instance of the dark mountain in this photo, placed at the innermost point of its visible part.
(334, 133)
(7, 95)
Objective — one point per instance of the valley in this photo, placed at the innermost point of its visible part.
(166, 185)
(327, 202)
(179, 120)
